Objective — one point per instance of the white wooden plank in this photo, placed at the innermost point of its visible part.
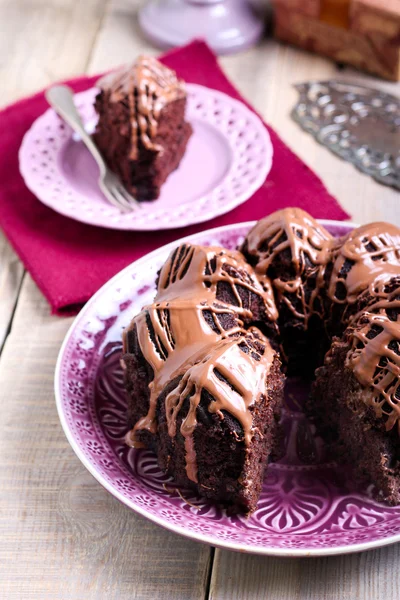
(43, 41)
(62, 535)
(120, 39)
(369, 575)
(39, 43)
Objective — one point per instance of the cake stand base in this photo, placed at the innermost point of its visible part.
(227, 26)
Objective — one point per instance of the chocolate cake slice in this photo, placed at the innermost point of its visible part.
(295, 252)
(141, 132)
(355, 402)
(217, 420)
(204, 393)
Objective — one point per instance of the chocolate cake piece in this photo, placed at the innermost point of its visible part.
(141, 132)
(295, 252)
(355, 401)
(203, 295)
(368, 257)
(204, 393)
(217, 419)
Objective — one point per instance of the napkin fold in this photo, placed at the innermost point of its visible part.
(69, 260)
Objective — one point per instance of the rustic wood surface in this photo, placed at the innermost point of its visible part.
(62, 535)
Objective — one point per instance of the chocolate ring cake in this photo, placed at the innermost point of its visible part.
(294, 252)
(205, 393)
(141, 132)
(202, 366)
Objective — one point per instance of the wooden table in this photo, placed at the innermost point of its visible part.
(62, 535)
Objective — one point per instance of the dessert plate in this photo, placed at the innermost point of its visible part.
(227, 159)
(308, 507)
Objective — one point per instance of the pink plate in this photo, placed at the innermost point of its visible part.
(227, 159)
(307, 507)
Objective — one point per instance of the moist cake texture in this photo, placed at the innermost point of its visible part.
(294, 252)
(205, 393)
(141, 131)
(356, 395)
(342, 295)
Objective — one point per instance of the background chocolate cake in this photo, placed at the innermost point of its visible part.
(141, 131)
(205, 393)
(356, 397)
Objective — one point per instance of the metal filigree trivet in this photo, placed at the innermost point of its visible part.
(360, 124)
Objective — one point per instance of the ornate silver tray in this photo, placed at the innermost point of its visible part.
(359, 124)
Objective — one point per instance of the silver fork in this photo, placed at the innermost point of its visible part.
(61, 98)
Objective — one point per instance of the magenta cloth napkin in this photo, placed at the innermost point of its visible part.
(70, 261)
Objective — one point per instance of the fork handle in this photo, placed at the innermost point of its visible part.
(61, 98)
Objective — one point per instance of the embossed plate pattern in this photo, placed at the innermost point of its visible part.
(307, 506)
(227, 159)
(358, 123)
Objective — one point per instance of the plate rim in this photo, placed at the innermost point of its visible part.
(180, 530)
(250, 190)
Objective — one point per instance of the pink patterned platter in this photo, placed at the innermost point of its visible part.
(308, 507)
(227, 159)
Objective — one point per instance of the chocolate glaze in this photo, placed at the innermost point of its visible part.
(374, 357)
(177, 340)
(192, 337)
(310, 246)
(382, 297)
(369, 253)
(147, 86)
(242, 384)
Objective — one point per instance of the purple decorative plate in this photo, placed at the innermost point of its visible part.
(307, 507)
(227, 159)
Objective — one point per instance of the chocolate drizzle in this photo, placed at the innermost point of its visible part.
(293, 238)
(147, 86)
(194, 338)
(368, 253)
(194, 330)
(374, 358)
(235, 379)
(374, 354)
(352, 282)
(366, 275)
